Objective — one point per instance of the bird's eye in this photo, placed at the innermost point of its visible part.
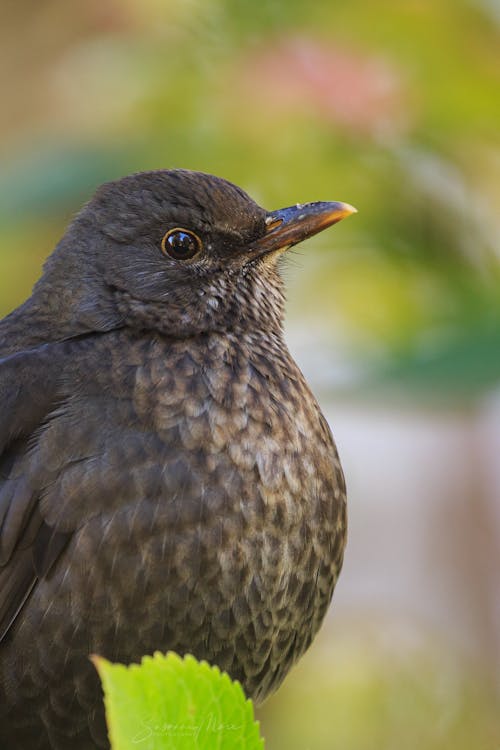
(181, 244)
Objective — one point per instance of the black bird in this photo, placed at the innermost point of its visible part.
(167, 479)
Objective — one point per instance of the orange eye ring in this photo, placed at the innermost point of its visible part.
(181, 244)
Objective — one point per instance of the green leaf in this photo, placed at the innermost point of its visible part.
(173, 703)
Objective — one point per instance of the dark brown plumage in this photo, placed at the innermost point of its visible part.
(167, 480)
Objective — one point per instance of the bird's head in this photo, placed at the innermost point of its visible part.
(180, 252)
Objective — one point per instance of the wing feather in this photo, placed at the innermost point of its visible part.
(28, 392)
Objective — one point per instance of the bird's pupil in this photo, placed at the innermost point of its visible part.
(181, 244)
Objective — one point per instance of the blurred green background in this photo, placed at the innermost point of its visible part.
(394, 315)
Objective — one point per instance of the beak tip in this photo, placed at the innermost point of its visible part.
(348, 209)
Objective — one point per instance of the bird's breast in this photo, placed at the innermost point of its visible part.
(238, 404)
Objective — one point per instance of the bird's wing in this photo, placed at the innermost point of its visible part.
(28, 384)
(28, 393)
(59, 470)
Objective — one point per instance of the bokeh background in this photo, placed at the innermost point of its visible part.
(394, 315)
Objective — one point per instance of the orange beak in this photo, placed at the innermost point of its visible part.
(289, 226)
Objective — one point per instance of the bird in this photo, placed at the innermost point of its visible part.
(168, 481)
